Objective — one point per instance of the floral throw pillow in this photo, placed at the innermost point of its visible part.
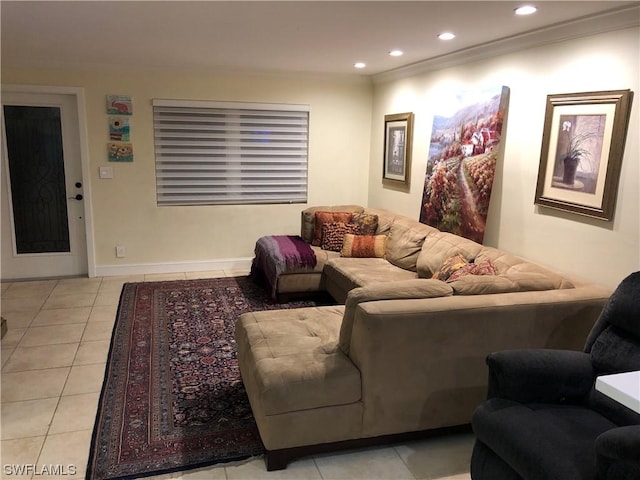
(333, 234)
(485, 267)
(364, 246)
(368, 223)
(450, 265)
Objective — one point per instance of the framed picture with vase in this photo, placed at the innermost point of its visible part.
(582, 149)
(398, 133)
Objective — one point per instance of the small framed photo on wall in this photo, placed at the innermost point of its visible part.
(398, 133)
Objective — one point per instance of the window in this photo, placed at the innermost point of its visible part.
(222, 153)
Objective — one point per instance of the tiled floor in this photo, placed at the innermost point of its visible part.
(53, 360)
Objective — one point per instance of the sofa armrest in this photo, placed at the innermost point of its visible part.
(540, 375)
(401, 290)
(618, 452)
(422, 361)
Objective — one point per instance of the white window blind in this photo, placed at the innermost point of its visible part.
(216, 153)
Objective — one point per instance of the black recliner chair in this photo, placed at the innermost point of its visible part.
(544, 420)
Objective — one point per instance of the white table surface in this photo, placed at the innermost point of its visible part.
(622, 387)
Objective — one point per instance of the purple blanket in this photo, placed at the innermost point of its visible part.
(280, 254)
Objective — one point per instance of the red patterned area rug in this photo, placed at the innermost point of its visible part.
(172, 397)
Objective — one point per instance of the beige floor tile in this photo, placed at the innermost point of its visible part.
(255, 469)
(84, 379)
(45, 356)
(30, 289)
(17, 453)
(104, 313)
(97, 331)
(61, 316)
(77, 286)
(92, 352)
(115, 284)
(20, 318)
(70, 300)
(13, 337)
(4, 286)
(107, 299)
(368, 464)
(204, 275)
(34, 384)
(462, 476)
(22, 304)
(5, 353)
(438, 457)
(215, 472)
(52, 335)
(27, 419)
(70, 449)
(75, 412)
(163, 277)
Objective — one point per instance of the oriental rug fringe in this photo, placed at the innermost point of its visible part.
(172, 397)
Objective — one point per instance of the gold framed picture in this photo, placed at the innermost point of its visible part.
(398, 133)
(582, 149)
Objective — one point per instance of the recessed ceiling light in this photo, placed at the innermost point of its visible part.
(396, 53)
(526, 10)
(446, 36)
(359, 64)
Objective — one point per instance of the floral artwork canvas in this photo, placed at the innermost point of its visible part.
(463, 153)
(120, 152)
(119, 129)
(119, 105)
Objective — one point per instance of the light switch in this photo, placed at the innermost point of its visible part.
(106, 172)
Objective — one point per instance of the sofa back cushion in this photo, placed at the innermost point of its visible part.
(385, 219)
(438, 247)
(517, 267)
(308, 220)
(405, 241)
(488, 284)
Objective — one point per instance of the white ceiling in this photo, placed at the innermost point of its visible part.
(291, 36)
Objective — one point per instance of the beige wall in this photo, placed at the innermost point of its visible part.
(601, 251)
(345, 157)
(124, 208)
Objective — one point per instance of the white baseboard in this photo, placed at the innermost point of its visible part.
(173, 267)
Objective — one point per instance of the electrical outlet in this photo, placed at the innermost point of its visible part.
(121, 251)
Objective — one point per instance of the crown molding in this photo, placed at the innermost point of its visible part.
(620, 19)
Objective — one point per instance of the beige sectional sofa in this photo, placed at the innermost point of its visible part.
(405, 352)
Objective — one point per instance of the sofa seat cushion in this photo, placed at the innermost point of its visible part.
(291, 359)
(349, 273)
(563, 435)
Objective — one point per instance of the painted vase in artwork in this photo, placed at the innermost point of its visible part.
(570, 169)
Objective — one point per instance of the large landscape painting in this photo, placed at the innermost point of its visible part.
(462, 159)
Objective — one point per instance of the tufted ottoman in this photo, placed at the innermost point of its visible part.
(303, 389)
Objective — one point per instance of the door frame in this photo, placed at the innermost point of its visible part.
(78, 93)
